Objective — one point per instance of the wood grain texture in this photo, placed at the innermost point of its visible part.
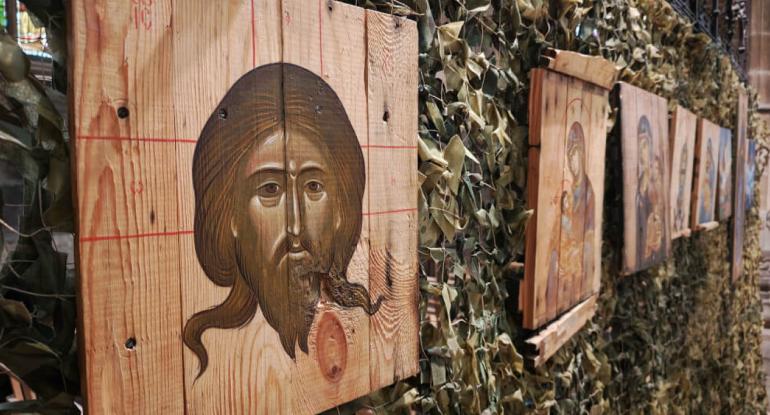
(224, 44)
(682, 151)
(393, 187)
(741, 161)
(592, 69)
(645, 146)
(328, 38)
(129, 295)
(566, 187)
(136, 204)
(705, 180)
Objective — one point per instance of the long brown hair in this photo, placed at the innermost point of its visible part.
(260, 103)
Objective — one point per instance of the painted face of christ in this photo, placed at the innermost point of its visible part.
(279, 180)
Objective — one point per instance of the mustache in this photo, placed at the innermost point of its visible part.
(284, 246)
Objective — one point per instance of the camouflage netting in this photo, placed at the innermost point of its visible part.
(679, 338)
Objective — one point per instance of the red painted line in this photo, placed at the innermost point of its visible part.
(321, 35)
(85, 239)
(389, 147)
(253, 37)
(388, 212)
(133, 236)
(137, 139)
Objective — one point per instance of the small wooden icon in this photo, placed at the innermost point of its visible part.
(568, 111)
(683, 128)
(705, 181)
(725, 175)
(644, 146)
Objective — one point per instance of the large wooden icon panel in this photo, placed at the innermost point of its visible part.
(744, 159)
(566, 185)
(725, 174)
(248, 223)
(644, 146)
(683, 127)
(705, 181)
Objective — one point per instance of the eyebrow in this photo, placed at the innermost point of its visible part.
(313, 168)
(269, 169)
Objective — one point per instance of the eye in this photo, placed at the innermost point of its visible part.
(270, 189)
(314, 186)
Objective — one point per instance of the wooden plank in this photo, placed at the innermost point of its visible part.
(644, 144)
(573, 197)
(393, 185)
(683, 128)
(705, 181)
(329, 38)
(129, 299)
(725, 175)
(592, 69)
(545, 234)
(210, 55)
(548, 341)
(598, 104)
(741, 161)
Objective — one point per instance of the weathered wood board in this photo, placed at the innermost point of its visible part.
(725, 174)
(644, 146)
(568, 119)
(683, 128)
(743, 176)
(548, 341)
(247, 203)
(705, 180)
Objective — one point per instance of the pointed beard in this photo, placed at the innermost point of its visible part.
(289, 298)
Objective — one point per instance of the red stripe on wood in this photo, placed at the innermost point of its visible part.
(388, 212)
(137, 139)
(132, 236)
(98, 238)
(253, 37)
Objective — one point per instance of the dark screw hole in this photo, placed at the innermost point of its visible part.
(386, 116)
(130, 343)
(222, 113)
(330, 5)
(122, 112)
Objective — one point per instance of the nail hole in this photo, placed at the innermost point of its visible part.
(386, 116)
(122, 112)
(222, 113)
(152, 216)
(131, 343)
(398, 23)
(330, 5)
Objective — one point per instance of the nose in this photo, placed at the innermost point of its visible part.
(294, 219)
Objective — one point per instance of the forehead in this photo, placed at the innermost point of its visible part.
(293, 145)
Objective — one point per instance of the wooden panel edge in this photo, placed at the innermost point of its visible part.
(548, 341)
(590, 68)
